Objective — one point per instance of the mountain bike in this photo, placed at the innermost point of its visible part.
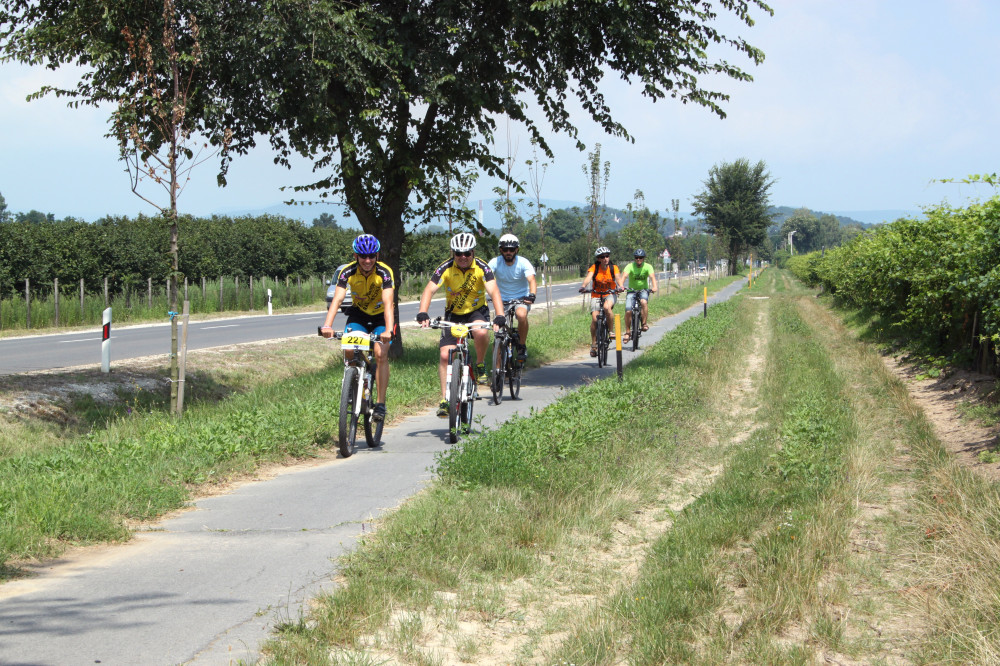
(505, 363)
(603, 332)
(358, 392)
(461, 388)
(636, 312)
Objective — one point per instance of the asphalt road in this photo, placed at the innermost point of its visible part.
(83, 348)
(67, 350)
(207, 585)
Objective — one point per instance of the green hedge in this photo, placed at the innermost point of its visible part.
(937, 280)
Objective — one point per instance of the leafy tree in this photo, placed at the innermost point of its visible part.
(325, 220)
(35, 217)
(4, 214)
(416, 100)
(564, 224)
(807, 231)
(643, 231)
(597, 186)
(734, 205)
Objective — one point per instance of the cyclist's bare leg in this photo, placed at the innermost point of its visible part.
(610, 318)
(522, 323)
(443, 369)
(481, 340)
(382, 371)
(645, 311)
(593, 328)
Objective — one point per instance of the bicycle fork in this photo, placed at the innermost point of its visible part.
(447, 380)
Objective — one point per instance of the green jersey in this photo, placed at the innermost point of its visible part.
(638, 276)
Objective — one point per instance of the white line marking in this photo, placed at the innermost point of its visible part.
(69, 342)
(206, 328)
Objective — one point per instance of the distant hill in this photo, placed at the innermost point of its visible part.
(862, 218)
(494, 221)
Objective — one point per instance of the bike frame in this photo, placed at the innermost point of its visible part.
(461, 347)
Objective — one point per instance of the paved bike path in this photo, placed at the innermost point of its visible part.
(207, 585)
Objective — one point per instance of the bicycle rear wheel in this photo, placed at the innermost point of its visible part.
(347, 430)
(373, 429)
(500, 352)
(455, 398)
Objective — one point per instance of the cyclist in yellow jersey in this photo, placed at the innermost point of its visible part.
(372, 291)
(469, 284)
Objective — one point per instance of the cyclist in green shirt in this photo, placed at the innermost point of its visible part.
(642, 278)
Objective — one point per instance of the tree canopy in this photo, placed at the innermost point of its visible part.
(734, 205)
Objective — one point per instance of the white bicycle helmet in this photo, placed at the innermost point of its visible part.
(601, 250)
(463, 242)
(509, 240)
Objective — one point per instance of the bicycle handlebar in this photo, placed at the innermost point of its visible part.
(337, 335)
(443, 323)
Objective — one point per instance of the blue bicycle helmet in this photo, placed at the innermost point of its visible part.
(366, 244)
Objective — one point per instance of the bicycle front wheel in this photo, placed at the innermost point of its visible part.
(513, 373)
(602, 342)
(373, 429)
(470, 402)
(455, 398)
(500, 352)
(636, 328)
(347, 430)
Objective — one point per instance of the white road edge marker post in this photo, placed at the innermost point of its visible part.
(269, 310)
(106, 342)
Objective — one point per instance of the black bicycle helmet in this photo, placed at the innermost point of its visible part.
(640, 253)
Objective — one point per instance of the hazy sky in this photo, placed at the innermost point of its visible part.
(859, 105)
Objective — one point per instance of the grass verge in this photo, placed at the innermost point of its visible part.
(93, 472)
(507, 505)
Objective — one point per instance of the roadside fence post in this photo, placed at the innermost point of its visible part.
(185, 288)
(149, 293)
(105, 291)
(202, 291)
(27, 302)
(251, 293)
(55, 296)
(83, 314)
(237, 280)
(220, 293)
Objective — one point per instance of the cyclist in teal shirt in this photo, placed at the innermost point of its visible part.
(641, 277)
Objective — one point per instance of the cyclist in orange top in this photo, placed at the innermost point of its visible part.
(607, 280)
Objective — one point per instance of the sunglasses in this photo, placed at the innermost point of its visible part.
(508, 249)
(639, 258)
(603, 256)
(367, 256)
(463, 254)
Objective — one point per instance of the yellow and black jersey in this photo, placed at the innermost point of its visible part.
(465, 291)
(366, 291)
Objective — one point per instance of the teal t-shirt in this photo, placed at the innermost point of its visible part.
(638, 278)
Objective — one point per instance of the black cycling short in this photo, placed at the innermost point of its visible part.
(447, 339)
(369, 321)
